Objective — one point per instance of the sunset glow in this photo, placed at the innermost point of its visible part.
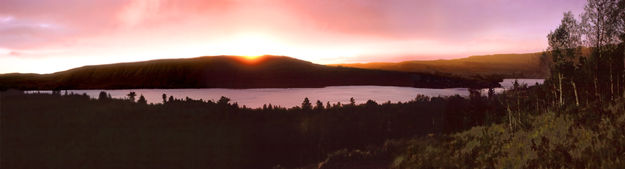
(251, 45)
(44, 36)
(251, 57)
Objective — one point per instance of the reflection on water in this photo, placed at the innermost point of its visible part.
(289, 97)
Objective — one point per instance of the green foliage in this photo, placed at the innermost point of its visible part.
(555, 140)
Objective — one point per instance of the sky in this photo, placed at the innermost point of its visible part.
(45, 36)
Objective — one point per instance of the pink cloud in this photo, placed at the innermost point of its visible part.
(402, 19)
(35, 23)
(371, 29)
(154, 12)
(441, 19)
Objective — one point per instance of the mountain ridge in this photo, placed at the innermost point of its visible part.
(228, 72)
(514, 65)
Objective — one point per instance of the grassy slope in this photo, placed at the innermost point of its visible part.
(511, 65)
(565, 139)
(226, 72)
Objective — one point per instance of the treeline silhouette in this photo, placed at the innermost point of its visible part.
(230, 72)
(73, 131)
(576, 119)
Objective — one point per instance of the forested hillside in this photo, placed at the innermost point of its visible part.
(229, 72)
(506, 65)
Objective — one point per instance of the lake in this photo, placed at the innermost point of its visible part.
(289, 97)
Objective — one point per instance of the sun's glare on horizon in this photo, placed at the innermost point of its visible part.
(250, 45)
(251, 57)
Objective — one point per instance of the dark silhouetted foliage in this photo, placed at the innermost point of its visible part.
(131, 96)
(142, 100)
(306, 105)
(74, 131)
(102, 96)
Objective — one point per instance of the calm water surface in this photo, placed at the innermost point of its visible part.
(289, 97)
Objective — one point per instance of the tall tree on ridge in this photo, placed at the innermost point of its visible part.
(600, 27)
(565, 49)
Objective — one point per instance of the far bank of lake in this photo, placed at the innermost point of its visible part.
(290, 97)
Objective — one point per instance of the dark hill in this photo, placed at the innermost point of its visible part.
(508, 65)
(227, 72)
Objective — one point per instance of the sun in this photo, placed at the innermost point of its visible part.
(251, 57)
(253, 45)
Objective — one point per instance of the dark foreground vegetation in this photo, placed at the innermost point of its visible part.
(230, 72)
(74, 131)
(574, 137)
